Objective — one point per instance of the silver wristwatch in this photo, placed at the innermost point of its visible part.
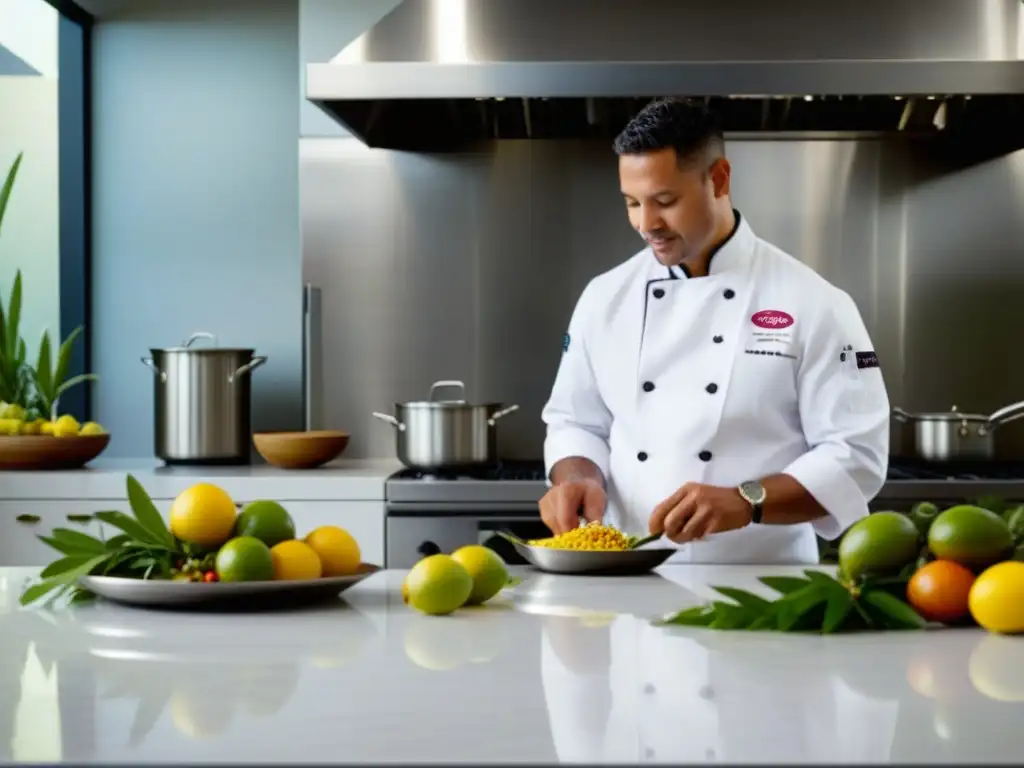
(754, 494)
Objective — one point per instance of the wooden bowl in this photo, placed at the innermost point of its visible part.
(300, 450)
(49, 452)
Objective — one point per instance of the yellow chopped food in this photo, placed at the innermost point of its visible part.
(593, 537)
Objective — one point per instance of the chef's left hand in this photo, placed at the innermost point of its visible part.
(697, 510)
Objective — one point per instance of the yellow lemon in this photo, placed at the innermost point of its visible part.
(65, 426)
(338, 551)
(295, 561)
(46, 428)
(204, 515)
(996, 599)
(92, 428)
(34, 427)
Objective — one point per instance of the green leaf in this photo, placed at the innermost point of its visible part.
(127, 524)
(70, 548)
(824, 579)
(794, 606)
(697, 616)
(14, 314)
(895, 613)
(79, 539)
(64, 564)
(81, 596)
(60, 373)
(75, 381)
(147, 514)
(784, 584)
(116, 542)
(5, 190)
(839, 605)
(731, 616)
(746, 599)
(763, 623)
(37, 591)
(43, 371)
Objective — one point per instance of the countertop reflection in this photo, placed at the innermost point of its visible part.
(559, 668)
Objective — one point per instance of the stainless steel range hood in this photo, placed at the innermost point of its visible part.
(435, 74)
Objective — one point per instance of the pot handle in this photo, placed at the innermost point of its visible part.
(390, 420)
(446, 383)
(148, 362)
(199, 335)
(1006, 414)
(503, 412)
(900, 415)
(252, 365)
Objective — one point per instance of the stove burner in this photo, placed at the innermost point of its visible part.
(910, 468)
(504, 470)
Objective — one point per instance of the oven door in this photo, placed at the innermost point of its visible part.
(412, 535)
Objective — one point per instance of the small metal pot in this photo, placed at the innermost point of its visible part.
(446, 434)
(956, 436)
(202, 402)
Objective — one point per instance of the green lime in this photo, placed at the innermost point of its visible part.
(970, 535)
(267, 521)
(437, 585)
(487, 569)
(245, 558)
(879, 543)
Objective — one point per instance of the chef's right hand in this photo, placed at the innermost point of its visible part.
(563, 505)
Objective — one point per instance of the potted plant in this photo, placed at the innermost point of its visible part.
(30, 395)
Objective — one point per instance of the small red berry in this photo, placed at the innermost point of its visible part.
(210, 576)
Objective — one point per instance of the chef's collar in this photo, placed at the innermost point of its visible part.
(733, 253)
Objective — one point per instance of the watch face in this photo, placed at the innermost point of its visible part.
(754, 491)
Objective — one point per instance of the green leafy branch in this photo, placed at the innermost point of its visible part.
(144, 549)
(51, 378)
(816, 602)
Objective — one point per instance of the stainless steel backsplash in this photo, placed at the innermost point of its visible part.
(468, 266)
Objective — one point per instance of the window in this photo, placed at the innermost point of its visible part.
(44, 92)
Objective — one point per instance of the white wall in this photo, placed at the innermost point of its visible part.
(196, 212)
(28, 123)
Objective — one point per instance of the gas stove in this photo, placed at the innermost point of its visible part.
(518, 483)
(439, 512)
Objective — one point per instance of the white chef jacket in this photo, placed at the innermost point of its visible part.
(761, 367)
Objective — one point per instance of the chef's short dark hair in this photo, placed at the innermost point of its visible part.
(685, 125)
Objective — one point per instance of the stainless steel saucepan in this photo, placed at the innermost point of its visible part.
(446, 434)
(956, 436)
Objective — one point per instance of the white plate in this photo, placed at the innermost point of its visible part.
(162, 593)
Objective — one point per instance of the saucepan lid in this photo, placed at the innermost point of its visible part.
(187, 348)
(455, 404)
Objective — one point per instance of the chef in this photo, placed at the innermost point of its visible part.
(712, 388)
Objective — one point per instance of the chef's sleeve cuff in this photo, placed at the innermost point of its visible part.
(833, 488)
(569, 442)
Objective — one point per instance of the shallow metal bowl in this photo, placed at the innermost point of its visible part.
(629, 562)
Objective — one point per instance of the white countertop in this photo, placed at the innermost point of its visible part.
(351, 480)
(559, 668)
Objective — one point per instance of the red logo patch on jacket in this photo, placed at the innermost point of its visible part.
(772, 319)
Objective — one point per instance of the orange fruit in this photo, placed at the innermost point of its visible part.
(939, 591)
